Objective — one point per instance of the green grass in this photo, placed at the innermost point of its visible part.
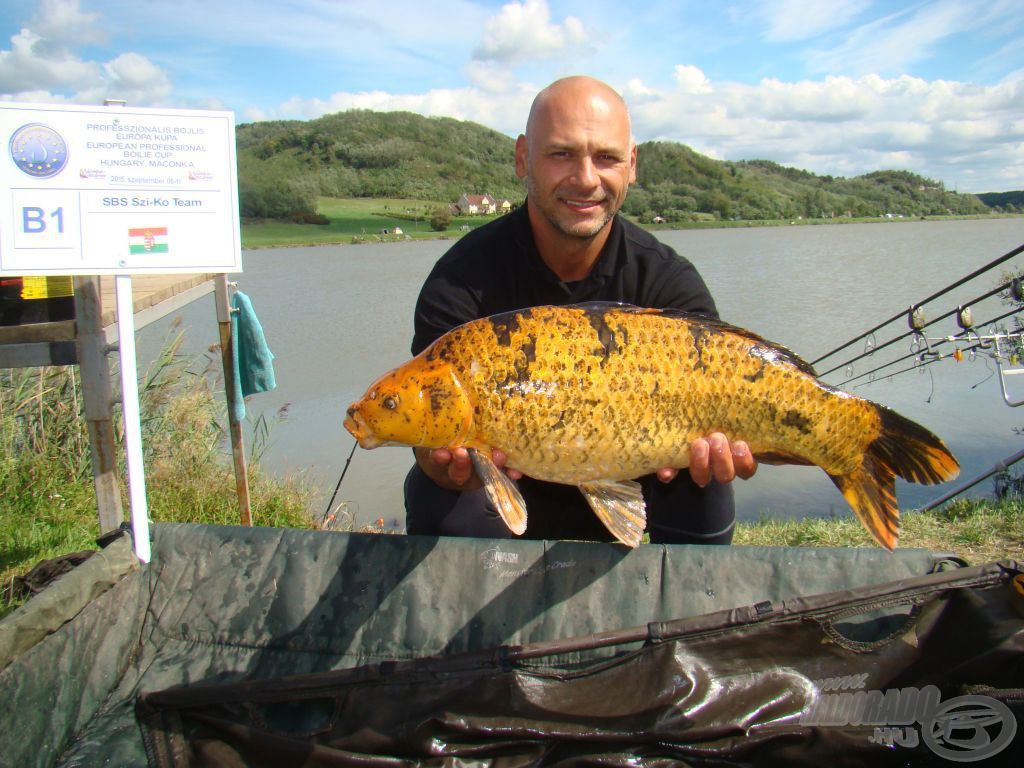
(357, 220)
(47, 502)
(978, 531)
(361, 220)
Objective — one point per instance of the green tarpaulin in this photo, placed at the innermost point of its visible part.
(218, 606)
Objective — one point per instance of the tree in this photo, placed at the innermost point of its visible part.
(439, 220)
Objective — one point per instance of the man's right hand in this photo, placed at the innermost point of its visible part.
(452, 468)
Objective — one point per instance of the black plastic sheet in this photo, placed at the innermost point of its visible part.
(857, 677)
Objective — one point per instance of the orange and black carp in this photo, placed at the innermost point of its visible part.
(596, 395)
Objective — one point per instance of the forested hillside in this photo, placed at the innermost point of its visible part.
(285, 165)
(1011, 202)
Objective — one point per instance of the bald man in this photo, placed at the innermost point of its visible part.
(568, 245)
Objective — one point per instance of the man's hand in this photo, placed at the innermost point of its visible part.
(714, 457)
(452, 468)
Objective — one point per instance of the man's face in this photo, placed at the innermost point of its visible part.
(578, 161)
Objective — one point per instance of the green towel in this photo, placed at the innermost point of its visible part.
(251, 357)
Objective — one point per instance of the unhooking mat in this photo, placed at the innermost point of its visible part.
(229, 604)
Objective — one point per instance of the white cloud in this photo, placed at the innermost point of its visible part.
(792, 20)
(41, 64)
(895, 42)
(847, 126)
(24, 68)
(966, 135)
(856, 109)
(523, 31)
(136, 78)
(63, 23)
(505, 111)
(691, 79)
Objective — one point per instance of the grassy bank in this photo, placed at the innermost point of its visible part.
(47, 507)
(979, 531)
(47, 503)
(364, 220)
(358, 220)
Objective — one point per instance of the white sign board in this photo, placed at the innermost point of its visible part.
(117, 190)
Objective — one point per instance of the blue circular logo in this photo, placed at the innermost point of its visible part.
(38, 150)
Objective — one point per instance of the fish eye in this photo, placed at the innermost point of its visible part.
(390, 402)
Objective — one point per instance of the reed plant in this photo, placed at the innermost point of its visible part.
(47, 501)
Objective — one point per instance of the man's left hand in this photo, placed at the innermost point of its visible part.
(714, 457)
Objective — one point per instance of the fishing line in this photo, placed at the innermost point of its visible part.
(917, 366)
(991, 373)
(333, 495)
(982, 270)
(951, 313)
(912, 353)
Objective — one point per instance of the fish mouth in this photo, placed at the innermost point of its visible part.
(359, 429)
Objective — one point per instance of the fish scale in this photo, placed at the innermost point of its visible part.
(538, 408)
(596, 395)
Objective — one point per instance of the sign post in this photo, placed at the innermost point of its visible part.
(93, 191)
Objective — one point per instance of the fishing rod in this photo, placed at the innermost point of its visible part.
(952, 286)
(965, 334)
(1009, 284)
(327, 512)
(999, 466)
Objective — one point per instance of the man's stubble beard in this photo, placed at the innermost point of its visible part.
(551, 216)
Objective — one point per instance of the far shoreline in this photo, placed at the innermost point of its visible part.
(449, 234)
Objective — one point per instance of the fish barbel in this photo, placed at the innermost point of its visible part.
(596, 395)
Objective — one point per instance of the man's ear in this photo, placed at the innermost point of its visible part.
(632, 162)
(522, 149)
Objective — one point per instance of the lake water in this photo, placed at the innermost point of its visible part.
(338, 316)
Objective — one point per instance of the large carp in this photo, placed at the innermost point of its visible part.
(595, 395)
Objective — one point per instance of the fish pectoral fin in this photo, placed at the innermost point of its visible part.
(501, 491)
(620, 506)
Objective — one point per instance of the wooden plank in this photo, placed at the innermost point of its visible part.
(153, 297)
(38, 333)
(97, 398)
(148, 291)
(223, 305)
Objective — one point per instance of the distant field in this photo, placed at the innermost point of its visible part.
(357, 220)
(363, 220)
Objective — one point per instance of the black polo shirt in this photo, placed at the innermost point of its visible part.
(497, 268)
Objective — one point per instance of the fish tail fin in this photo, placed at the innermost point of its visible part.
(905, 449)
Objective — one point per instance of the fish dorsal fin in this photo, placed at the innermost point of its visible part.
(620, 506)
(501, 491)
(770, 347)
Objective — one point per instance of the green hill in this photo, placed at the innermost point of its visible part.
(284, 166)
(1011, 202)
(371, 154)
(677, 183)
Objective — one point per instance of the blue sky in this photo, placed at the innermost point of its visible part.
(838, 86)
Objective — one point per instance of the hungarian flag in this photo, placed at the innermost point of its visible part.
(147, 240)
